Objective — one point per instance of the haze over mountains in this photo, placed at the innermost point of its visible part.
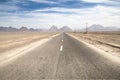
(95, 27)
(63, 29)
(98, 27)
(51, 29)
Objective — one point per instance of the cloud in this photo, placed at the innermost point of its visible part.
(100, 10)
(50, 1)
(44, 1)
(95, 1)
(108, 16)
(8, 8)
(74, 17)
(114, 3)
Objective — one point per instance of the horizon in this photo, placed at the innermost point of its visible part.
(74, 13)
(89, 27)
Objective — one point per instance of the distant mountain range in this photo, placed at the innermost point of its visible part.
(53, 28)
(63, 29)
(95, 27)
(6, 29)
(22, 29)
(98, 27)
(11, 29)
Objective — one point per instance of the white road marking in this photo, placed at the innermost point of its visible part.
(61, 48)
(62, 40)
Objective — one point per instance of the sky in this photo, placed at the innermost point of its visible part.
(72, 13)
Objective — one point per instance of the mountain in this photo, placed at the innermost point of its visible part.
(23, 29)
(8, 29)
(53, 28)
(65, 29)
(112, 28)
(32, 29)
(98, 27)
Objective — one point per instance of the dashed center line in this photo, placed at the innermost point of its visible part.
(61, 48)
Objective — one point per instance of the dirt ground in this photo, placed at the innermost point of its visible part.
(10, 40)
(107, 41)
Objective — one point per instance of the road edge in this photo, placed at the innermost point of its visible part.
(101, 52)
(13, 54)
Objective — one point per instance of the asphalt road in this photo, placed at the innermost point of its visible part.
(61, 58)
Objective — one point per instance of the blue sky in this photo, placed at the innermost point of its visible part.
(45, 13)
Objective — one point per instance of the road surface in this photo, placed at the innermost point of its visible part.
(61, 58)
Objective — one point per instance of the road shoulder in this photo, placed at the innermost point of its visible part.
(13, 54)
(111, 57)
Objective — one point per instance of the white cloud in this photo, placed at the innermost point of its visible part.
(8, 7)
(44, 1)
(113, 3)
(50, 1)
(108, 16)
(95, 1)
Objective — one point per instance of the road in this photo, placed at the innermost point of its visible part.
(61, 58)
